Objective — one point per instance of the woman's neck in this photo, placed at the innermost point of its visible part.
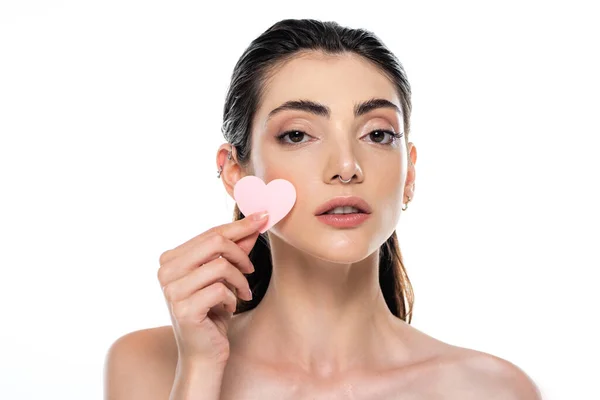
(323, 317)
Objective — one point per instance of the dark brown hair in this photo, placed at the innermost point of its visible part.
(281, 42)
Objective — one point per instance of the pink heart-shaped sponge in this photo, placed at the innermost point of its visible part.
(277, 197)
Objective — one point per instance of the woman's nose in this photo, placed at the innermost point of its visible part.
(345, 166)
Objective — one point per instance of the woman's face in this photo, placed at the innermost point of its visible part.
(322, 147)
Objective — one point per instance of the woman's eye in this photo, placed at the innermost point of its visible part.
(378, 136)
(294, 136)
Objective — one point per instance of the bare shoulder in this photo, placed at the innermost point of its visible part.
(474, 373)
(141, 365)
(468, 373)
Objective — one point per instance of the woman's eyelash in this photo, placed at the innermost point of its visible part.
(394, 135)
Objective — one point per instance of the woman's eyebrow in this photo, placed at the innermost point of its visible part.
(322, 110)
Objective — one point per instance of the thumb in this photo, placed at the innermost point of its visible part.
(248, 242)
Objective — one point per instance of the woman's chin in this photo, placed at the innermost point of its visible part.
(342, 252)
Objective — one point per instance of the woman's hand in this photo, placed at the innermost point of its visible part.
(200, 280)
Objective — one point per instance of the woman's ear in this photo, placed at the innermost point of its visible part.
(231, 171)
(411, 174)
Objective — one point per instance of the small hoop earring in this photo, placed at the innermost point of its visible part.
(405, 208)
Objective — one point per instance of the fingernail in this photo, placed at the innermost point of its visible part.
(258, 217)
(250, 293)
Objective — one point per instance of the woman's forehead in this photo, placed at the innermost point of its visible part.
(306, 76)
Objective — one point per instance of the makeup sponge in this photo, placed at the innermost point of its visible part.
(277, 197)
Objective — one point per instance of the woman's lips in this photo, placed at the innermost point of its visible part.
(344, 201)
(343, 220)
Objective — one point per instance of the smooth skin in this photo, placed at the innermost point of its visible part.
(323, 329)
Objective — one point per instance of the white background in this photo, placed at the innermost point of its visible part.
(110, 117)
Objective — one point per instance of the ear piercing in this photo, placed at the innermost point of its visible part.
(221, 169)
(404, 208)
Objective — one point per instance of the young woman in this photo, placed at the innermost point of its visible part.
(317, 307)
